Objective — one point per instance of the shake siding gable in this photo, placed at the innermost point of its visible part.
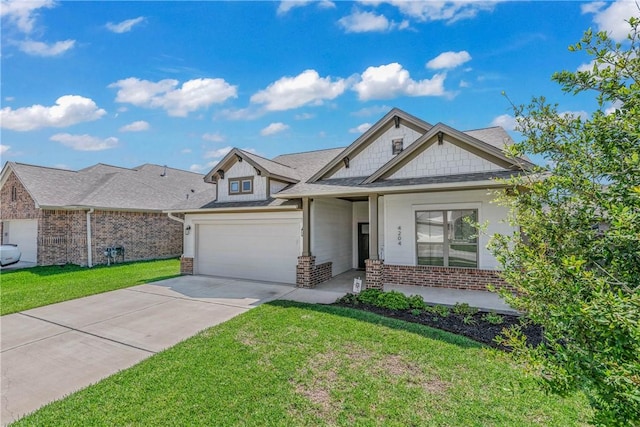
(377, 153)
(445, 159)
(239, 170)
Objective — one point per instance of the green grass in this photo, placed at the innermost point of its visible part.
(34, 287)
(293, 364)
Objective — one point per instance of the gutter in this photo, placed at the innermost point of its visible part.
(235, 209)
(175, 218)
(89, 252)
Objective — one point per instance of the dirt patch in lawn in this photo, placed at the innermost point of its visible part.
(331, 378)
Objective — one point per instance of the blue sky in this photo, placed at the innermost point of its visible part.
(179, 83)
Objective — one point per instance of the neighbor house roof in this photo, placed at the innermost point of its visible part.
(147, 187)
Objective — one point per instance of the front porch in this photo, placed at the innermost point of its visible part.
(484, 300)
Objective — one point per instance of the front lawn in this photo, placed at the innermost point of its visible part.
(34, 287)
(294, 364)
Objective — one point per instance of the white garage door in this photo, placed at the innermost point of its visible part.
(266, 249)
(24, 233)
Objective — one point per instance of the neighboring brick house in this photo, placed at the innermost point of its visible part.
(45, 211)
(396, 203)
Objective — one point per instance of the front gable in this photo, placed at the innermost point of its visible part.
(444, 151)
(243, 177)
(375, 147)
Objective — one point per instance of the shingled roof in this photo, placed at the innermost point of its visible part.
(145, 188)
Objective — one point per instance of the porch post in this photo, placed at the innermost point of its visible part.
(373, 226)
(306, 227)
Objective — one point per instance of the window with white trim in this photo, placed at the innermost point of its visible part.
(240, 186)
(447, 238)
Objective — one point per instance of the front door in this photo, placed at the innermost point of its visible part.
(363, 243)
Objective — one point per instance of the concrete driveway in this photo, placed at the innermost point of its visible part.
(51, 351)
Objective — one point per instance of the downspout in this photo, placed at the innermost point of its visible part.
(89, 252)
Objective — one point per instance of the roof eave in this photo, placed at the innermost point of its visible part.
(234, 209)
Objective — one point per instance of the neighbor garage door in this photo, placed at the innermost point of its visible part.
(260, 249)
(24, 233)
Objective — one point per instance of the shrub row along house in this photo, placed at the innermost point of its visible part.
(398, 202)
(60, 216)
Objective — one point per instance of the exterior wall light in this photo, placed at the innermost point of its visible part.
(187, 230)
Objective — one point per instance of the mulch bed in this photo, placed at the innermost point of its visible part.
(479, 330)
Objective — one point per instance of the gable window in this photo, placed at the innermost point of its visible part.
(14, 193)
(241, 185)
(396, 146)
(447, 238)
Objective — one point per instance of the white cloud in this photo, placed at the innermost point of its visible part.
(612, 18)
(217, 154)
(449, 60)
(23, 13)
(448, 11)
(191, 96)
(69, 110)
(505, 121)
(36, 48)
(249, 113)
(4, 148)
(364, 22)
(186, 151)
(510, 123)
(304, 116)
(464, 83)
(372, 111)
(305, 88)
(274, 128)
(213, 137)
(85, 142)
(392, 80)
(286, 5)
(360, 129)
(579, 113)
(138, 126)
(613, 107)
(124, 26)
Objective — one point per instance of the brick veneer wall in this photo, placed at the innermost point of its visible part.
(186, 265)
(23, 207)
(144, 235)
(443, 277)
(374, 273)
(308, 274)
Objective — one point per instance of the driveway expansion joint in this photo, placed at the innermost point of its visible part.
(90, 334)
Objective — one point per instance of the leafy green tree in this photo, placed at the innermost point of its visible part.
(576, 262)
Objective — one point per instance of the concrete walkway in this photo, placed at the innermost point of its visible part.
(49, 352)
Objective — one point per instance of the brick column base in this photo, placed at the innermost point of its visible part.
(374, 273)
(186, 265)
(308, 274)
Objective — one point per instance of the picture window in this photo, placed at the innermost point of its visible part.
(447, 238)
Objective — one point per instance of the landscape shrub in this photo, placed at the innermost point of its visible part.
(393, 300)
(369, 296)
(416, 302)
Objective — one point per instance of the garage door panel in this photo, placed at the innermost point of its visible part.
(24, 233)
(259, 250)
